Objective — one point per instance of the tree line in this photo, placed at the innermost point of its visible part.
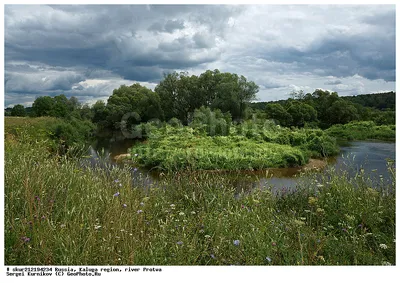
(178, 95)
(323, 109)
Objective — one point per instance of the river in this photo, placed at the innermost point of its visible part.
(368, 156)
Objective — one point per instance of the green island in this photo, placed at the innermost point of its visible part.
(58, 212)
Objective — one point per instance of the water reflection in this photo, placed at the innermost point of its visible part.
(355, 158)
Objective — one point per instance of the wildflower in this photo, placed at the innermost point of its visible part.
(116, 180)
(268, 258)
(37, 198)
(140, 211)
(136, 155)
(135, 169)
(383, 246)
(273, 244)
(26, 239)
(344, 230)
(141, 203)
(179, 243)
(318, 241)
(312, 200)
(120, 184)
(116, 194)
(212, 256)
(43, 217)
(97, 227)
(124, 205)
(236, 242)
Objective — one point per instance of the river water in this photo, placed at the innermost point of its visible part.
(367, 156)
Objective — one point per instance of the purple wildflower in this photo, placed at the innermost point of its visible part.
(344, 230)
(116, 194)
(124, 205)
(318, 241)
(116, 181)
(236, 242)
(140, 211)
(179, 243)
(212, 256)
(268, 258)
(135, 169)
(26, 239)
(37, 198)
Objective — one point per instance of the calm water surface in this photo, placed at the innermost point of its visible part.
(371, 157)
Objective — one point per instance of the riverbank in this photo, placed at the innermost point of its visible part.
(50, 202)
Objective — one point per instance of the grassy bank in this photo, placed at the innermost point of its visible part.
(182, 148)
(57, 213)
(363, 131)
(176, 148)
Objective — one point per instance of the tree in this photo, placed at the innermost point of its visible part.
(141, 101)
(301, 113)
(341, 112)
(278, 112)
(61, 107)
(233, 93)
(43, 106)
(73, 103)
(18, 110)
(100, 113)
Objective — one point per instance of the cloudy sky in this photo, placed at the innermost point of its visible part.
(87, 51)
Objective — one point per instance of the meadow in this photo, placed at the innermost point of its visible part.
(59, 213)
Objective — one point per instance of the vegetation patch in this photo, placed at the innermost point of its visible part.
(184, 148)
(363, 131)
(56, 213)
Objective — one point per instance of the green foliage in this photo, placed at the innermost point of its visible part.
(277, 112)
(141, 102)
(56, 213)
(301, 113)
(341, 112)
(213, 123)
(61, 134)
(185, 148)
(18, 111)
(363, 131)
(182, 94)
(43, 106)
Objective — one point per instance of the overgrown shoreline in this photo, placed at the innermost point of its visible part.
(57, 213)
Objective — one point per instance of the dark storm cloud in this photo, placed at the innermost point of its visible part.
(370, 57)
(55, 49)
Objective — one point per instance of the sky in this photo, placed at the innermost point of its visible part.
(86, 51)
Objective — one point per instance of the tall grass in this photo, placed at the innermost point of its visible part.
(57, 213)
(184, 148)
